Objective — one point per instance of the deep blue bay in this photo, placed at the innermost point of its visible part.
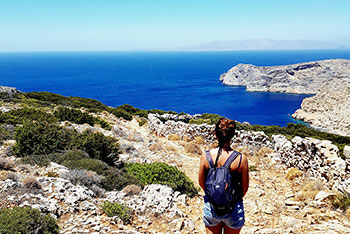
(178, 81)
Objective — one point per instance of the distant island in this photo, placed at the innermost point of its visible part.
(261, 44)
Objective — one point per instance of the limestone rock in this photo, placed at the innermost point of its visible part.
(329, 109)
(296, 78)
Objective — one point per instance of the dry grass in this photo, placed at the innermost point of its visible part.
(52, 174)
(132, 189)
(174, 137)
(293, 173)
(193, 148)
(156, 147)
(199, 140)
(31, 183)
(170, 148)
(347, 212)
(3, 175)
(309, 190)
(262, 152)
(7, 164)
(187, 139)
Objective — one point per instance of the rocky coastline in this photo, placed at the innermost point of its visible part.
(301, 78)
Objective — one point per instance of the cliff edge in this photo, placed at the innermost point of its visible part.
(329, 109)
(299, 78)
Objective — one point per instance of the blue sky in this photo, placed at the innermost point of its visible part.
(44, 25)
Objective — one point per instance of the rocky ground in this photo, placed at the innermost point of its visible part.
(285, 196)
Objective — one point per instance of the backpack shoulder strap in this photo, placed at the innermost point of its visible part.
(210, 160)
(231, 158)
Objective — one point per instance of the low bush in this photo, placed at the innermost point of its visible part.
(162, 173)
(293, 173)
(193, 148)
(174, 137)
(115, 179)
(40, 160)
(31, 183)
(121, 113)
(41, 138)
(79, 117)
(83, 177)
(199, 121)
(26, 220)
(132, 189)
(116, 209)
(88, 164)
(25, 114)
(97, 145)
(49, 99)
(6, 164)
(5, 134)
(342, 201)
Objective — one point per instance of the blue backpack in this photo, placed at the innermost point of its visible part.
(219, 188)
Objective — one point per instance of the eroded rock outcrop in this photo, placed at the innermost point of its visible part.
(296, 78)
(328, 110)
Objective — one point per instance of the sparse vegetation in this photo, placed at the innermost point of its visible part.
(132, 189)
(6, 164)
(174, 137)
(26, 220)
(342, 201)
(193, 148)
(31, 183)
(115, 179)
(162, 173)
(309, 190)
(116, 209)
(79, 117)
(253, 168)
(293, 173)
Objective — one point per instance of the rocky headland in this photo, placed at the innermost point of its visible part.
(329, 109)
(301, 78)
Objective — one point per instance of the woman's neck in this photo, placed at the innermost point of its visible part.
(227, 147)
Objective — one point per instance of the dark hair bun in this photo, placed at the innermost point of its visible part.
(225, 130)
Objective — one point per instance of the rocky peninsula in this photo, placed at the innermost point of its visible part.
(301, 78)
(328, 110)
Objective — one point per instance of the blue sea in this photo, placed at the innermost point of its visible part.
(179, 81)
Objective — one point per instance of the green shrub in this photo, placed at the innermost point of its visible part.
(162, 173)
(26, 220)
(200, 121)
(26, 114)
(121, 113)
(40, 160)
(49, 99)
(214, 118)
(41, 138)
(115, 179)
(115, 209)
(4, 134)
(97, 146)
(69, 155)
(88, 164)
(342, 201)
(79, 117)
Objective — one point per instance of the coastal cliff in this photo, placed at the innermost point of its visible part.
(301, 78)
(329, 109)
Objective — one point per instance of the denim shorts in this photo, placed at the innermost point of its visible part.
(234, 220)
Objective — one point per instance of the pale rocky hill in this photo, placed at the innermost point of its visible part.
(279, 200)
(304, 78)
(329, 109)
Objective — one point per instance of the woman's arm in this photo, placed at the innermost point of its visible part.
(202, 168)
(245, 174)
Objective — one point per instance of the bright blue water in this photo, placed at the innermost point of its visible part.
(178, 81)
